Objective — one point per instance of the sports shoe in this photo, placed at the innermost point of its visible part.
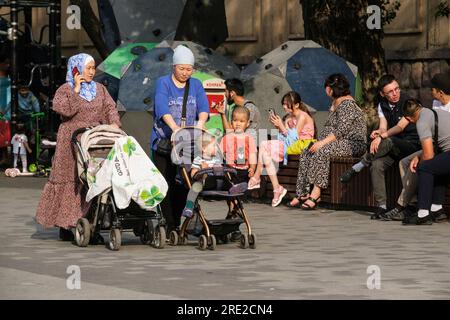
(415, 220)
(348, 175)
(439, 216)
(278, 196)
(254, 184)
(377, 215)
(395, 214)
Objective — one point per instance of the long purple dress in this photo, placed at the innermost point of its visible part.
(62, 202)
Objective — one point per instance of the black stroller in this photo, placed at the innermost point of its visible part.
(208, 232)
(91, 150)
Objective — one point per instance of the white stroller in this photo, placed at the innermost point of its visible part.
(92, 151)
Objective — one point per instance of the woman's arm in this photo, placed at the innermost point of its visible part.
(202, 118)
(278, 123)
(162, 110)
(321, 143)
(65, 101)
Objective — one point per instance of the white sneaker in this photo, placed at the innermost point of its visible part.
(278, 196)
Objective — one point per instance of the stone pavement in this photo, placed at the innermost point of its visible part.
(300, 255)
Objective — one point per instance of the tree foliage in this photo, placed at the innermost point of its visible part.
(341, 26)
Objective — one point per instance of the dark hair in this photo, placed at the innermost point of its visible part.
(410, 107)
(385, 80)
(339, 84)
(235, 85)
(292, 98)
(241, 110)
(20, 128)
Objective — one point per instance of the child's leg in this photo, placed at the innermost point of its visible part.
(196, 188)
(23, 157)
(266, 160)
(16, 156)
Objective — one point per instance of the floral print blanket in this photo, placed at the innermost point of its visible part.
(131, 175)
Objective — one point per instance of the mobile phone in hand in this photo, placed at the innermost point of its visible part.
(75, 71)
(272, 112)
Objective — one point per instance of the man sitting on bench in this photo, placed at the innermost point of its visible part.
(387, 146)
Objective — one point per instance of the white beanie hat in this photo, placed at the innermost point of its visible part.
(183, 55)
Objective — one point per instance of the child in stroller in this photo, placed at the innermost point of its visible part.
(197, 152)
(208, 158)
(125, 200)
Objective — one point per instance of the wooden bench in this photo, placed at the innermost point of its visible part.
(357, 194)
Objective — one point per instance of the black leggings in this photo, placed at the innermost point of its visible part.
(173, 204)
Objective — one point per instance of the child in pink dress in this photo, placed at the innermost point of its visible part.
(296, 133)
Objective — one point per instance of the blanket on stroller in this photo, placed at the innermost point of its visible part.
(131, 175)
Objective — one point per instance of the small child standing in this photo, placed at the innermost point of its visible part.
(20, 146)
(239, 147)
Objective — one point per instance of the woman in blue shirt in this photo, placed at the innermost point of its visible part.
(167, 119)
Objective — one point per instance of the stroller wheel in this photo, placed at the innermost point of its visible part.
(225, 238)
(115, 239)
(252, 241)
(212, 242)
(202, 242)
(82, 232)
(244, 241)
(173, 238)
(160, 237)
(147, 235)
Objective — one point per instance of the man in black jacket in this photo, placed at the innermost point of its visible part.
(395, 139)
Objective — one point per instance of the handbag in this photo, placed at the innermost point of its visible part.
(164, 145)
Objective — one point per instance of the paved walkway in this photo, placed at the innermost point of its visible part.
(320, 255)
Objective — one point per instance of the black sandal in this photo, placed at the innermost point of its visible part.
(307, 207)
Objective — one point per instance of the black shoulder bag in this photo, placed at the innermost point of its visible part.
(436, 132)
(164, 146)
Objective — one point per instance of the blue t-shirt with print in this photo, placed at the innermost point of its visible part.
(169, 100)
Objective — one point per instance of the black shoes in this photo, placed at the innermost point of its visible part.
(66, 235)
(439, 216)
(415, 220)
(379, 214)
(348, 175)
(396, 214)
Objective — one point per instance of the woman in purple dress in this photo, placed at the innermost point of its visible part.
(81, 102)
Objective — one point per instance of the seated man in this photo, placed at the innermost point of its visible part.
(432, 166)
(440, 90)
(387, 146)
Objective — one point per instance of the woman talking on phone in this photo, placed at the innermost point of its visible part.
(81, 102)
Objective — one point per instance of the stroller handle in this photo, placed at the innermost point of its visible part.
(77, 132)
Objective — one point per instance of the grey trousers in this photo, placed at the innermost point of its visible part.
(409, 181)
(379, 163)
(389, 151)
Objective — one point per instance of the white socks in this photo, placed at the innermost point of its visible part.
(436, 207)
(422, 213)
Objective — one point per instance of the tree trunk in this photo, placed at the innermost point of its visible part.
(340, 26)
(92, 26)
(203, 22)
